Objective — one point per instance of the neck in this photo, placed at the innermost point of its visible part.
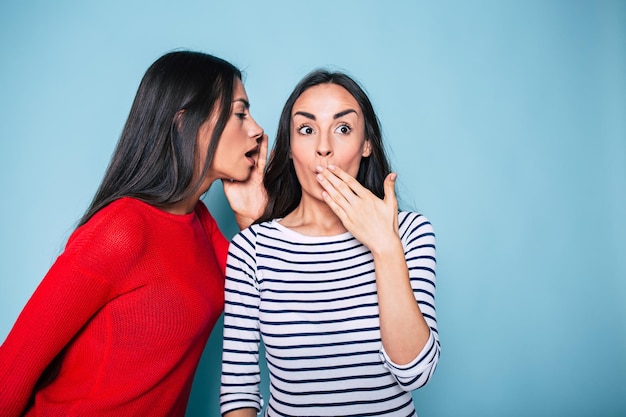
(189, 204)
(313, 217)
(183, 207)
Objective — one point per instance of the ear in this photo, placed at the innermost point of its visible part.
(178, 118)
(367, 148)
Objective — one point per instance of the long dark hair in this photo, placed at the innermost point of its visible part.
(283, 188)
(155, 157)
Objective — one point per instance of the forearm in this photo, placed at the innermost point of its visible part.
(243, 221)
(404, 332)
(242, 412)
(60, 306)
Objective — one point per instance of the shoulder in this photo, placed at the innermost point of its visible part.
(413, 220)
(115, 229)
(203, 213)
(206, 218)
(413, 224)
(248, 238)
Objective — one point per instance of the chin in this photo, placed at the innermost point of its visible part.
(241, 177)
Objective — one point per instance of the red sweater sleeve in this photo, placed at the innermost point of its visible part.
(77, 285)
(64, 301)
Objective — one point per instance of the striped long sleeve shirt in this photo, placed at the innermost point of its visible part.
(313, 303)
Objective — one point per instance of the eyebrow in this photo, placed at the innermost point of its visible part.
(336, 116)
(343, 113)
(244, 101)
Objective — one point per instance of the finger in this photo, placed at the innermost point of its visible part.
(389, 188)
(354, 185)
(332, 187)
(337, 187)
(335, 207)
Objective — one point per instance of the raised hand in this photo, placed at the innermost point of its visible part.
(249, 198)
(374, 222)
(371, 220)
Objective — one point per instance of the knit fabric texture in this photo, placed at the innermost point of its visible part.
(128, 307)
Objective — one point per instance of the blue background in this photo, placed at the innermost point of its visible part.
(506, 122)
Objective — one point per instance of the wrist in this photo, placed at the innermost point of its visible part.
(243, 221)
(386, 247)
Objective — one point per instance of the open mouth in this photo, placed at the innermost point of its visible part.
(251, 154)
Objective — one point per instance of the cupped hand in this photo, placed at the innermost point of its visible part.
(248, 199)
(371, 220)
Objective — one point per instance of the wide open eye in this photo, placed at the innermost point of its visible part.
(305, 130)
(343, 129)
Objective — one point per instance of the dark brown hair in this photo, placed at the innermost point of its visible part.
(154, 160)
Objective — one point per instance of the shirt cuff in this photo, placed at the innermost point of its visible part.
(415, 367)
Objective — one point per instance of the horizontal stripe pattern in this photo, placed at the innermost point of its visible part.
(313, 302)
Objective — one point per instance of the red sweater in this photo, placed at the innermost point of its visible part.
(134, 297)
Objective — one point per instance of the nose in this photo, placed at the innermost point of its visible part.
(324, 148)
(254, 130)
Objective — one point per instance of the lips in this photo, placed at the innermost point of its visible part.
(251, 154)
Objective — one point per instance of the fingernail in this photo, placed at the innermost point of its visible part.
(319, 168)
(319, 177)
(331, 167)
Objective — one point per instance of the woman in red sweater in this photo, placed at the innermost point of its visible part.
(118, 324)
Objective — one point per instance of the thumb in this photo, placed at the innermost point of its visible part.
(389, 187)
(262, 157)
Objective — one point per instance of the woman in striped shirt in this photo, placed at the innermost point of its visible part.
(337, 283)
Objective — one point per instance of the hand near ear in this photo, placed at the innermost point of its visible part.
(371, 220)
(249, 198)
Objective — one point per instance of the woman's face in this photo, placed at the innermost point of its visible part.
(237, 149)
(327, 127)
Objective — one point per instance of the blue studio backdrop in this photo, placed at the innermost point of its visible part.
(506, 121)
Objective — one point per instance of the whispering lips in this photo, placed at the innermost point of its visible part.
(251, 153)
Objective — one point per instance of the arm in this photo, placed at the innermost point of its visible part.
(405, 333)
(248, 199)
(418, 241)
(64, 301)
(242, 412)
(90, 273)
(239, 392)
